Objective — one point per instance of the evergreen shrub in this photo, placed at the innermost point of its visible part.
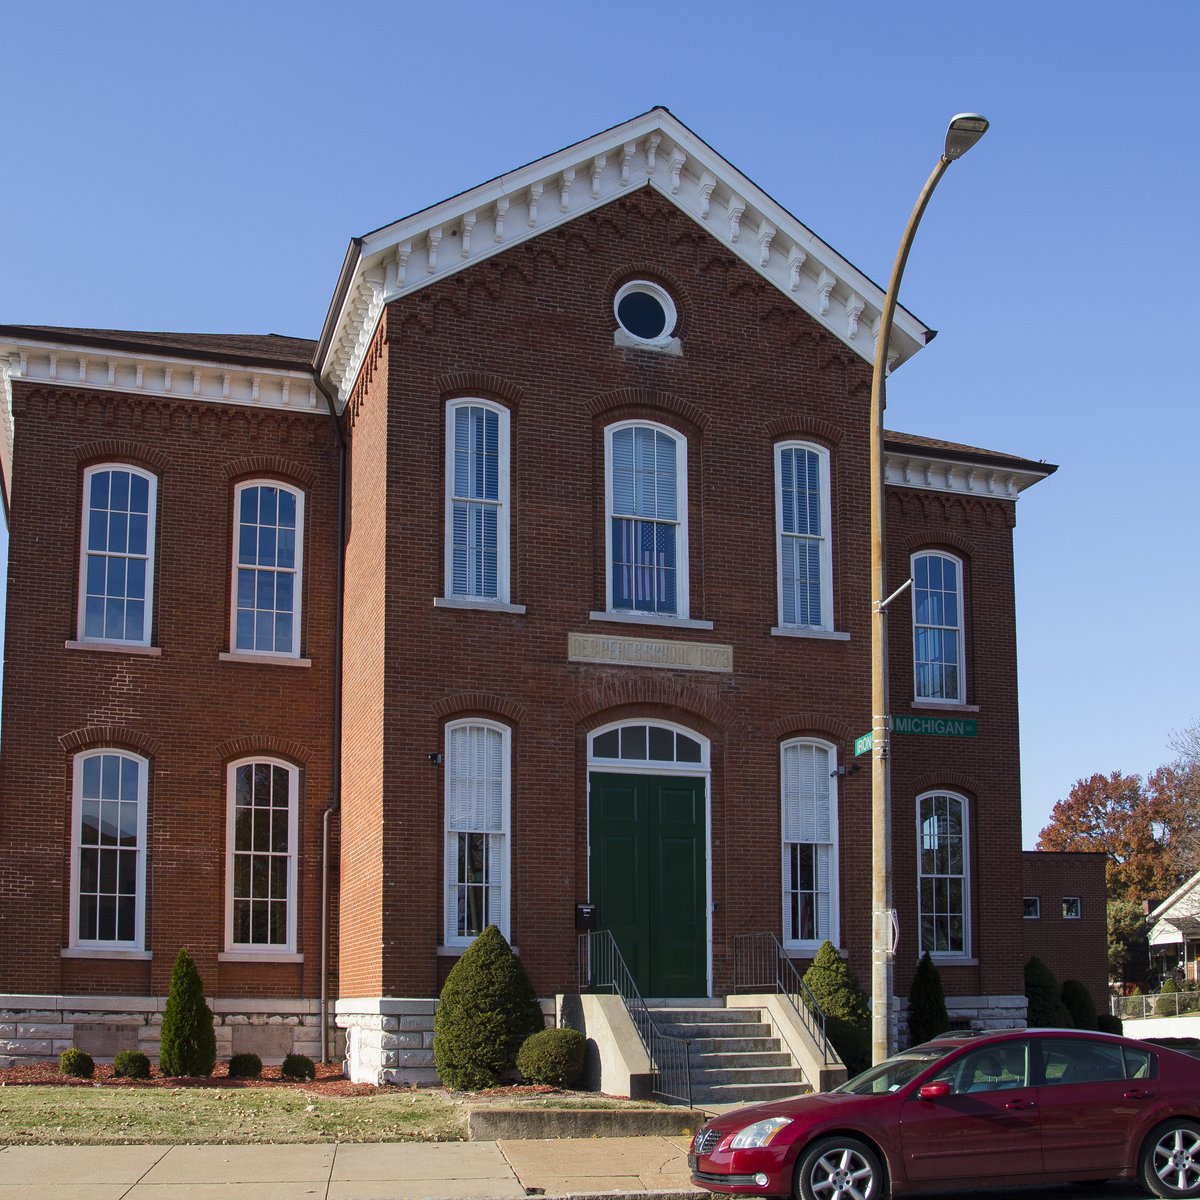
(131, 1064)
(927, 1016)
(1046, 1009)
(844, 1003)
(486, 1011)
(1108, 1023)
(553, 1057)
(245, 1066)
(297, 1066)
(76, 1063)
(188, 1045)
(1167, 1007)
(1078, 1002)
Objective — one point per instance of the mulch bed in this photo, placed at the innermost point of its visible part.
(329, 1080)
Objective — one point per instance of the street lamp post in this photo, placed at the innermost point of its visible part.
(963, 132)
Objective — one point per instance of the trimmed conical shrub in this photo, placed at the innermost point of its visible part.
(843, 1001)
(1046, 1010)
(188, 1045)
(487, 1010)
(1079, 1003)
(927, 1015)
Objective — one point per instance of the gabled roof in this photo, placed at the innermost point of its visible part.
(654, 149)
(1188, 886)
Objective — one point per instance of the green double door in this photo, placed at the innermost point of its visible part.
(648, 879)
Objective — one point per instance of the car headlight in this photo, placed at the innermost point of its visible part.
(759, 1134)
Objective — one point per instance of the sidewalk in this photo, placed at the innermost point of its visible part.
(505, 1170)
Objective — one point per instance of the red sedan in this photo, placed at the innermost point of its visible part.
(1029, 1106)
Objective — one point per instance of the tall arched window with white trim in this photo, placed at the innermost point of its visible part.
(645, 482)
(477, 504)
(262, 854)
(267, 568)
(943, 892)
(803, 543)
(116, 561)
(938, 627)
(478, 767)
(810, 843)
(108, 860)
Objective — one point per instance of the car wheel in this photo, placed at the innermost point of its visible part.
(840, 1168)
(1170, 1165)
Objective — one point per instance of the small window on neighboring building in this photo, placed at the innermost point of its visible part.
(1033, 908)
(645, 312)
(1072, 908)
(268, 548)
(116, 568)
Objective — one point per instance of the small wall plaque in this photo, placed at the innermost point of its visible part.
(648, 652)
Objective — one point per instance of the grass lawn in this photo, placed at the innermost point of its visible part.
(94, 1116)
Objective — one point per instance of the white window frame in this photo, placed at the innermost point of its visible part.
(255, 949)
(137, 942)
(683, 611)
(1078, 913)
(298, 570)
(1036, 915)
(660, 294)
(151, 522)
(960, 628)
(450, 857)
(965, 809)
(503, 450)
(826, 537)
(806, 946)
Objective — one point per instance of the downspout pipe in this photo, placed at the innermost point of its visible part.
(335, 766)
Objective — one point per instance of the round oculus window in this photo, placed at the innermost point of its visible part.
(645, 312)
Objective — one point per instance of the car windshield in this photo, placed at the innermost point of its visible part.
(894, 1072)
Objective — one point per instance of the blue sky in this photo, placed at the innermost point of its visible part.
(203, 167)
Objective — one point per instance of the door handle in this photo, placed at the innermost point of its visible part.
(1138, 1094)
(1019, 1104)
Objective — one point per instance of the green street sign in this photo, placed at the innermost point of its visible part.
(862, 745)
(941, 726)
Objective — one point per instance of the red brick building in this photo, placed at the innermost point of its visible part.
(594, 439)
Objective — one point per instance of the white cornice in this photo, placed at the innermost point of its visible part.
(987, 481)
(654, 148)
(154, 375)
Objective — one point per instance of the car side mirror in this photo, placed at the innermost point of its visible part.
(934, 1091)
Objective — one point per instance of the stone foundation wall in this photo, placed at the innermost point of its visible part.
(35, 1028)
(968, 1012)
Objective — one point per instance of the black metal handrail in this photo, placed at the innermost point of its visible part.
(602, 969)
(760, 964)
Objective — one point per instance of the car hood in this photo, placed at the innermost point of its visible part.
(814, 1105)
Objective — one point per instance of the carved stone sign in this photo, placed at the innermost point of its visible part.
(648, 652)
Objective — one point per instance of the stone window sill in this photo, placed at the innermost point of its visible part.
(939, 706)
(115, 648)
(265, 660)
(954, 960)
(459, 951)
(829, 635)
(479, 605)
(259, 956)
(656, 619)
(672, 347)
(105, 952)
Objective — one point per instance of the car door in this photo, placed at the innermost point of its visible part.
(987, 1126)
(1091, 1092)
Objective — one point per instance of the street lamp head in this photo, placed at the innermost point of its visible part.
(962, 133)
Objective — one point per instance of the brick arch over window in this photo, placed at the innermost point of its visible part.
(680, 296)
(646, 399)
(686, 698)
(246, 747)
(943, 539)
(106, 450)
(271, 466)
(946, 781)
(120, 737)
(808, 724)
(805, 427)
(463, 703)
(478, 383)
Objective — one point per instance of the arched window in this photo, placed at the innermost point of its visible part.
(646, 528)
(262, 853)
(943, 893)
(116, 561)
(477, 505)
(267, 568)
(938, 627)
(808, 771)
(478, 766)
(653, 744)
(803, 543)
(108, 860)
